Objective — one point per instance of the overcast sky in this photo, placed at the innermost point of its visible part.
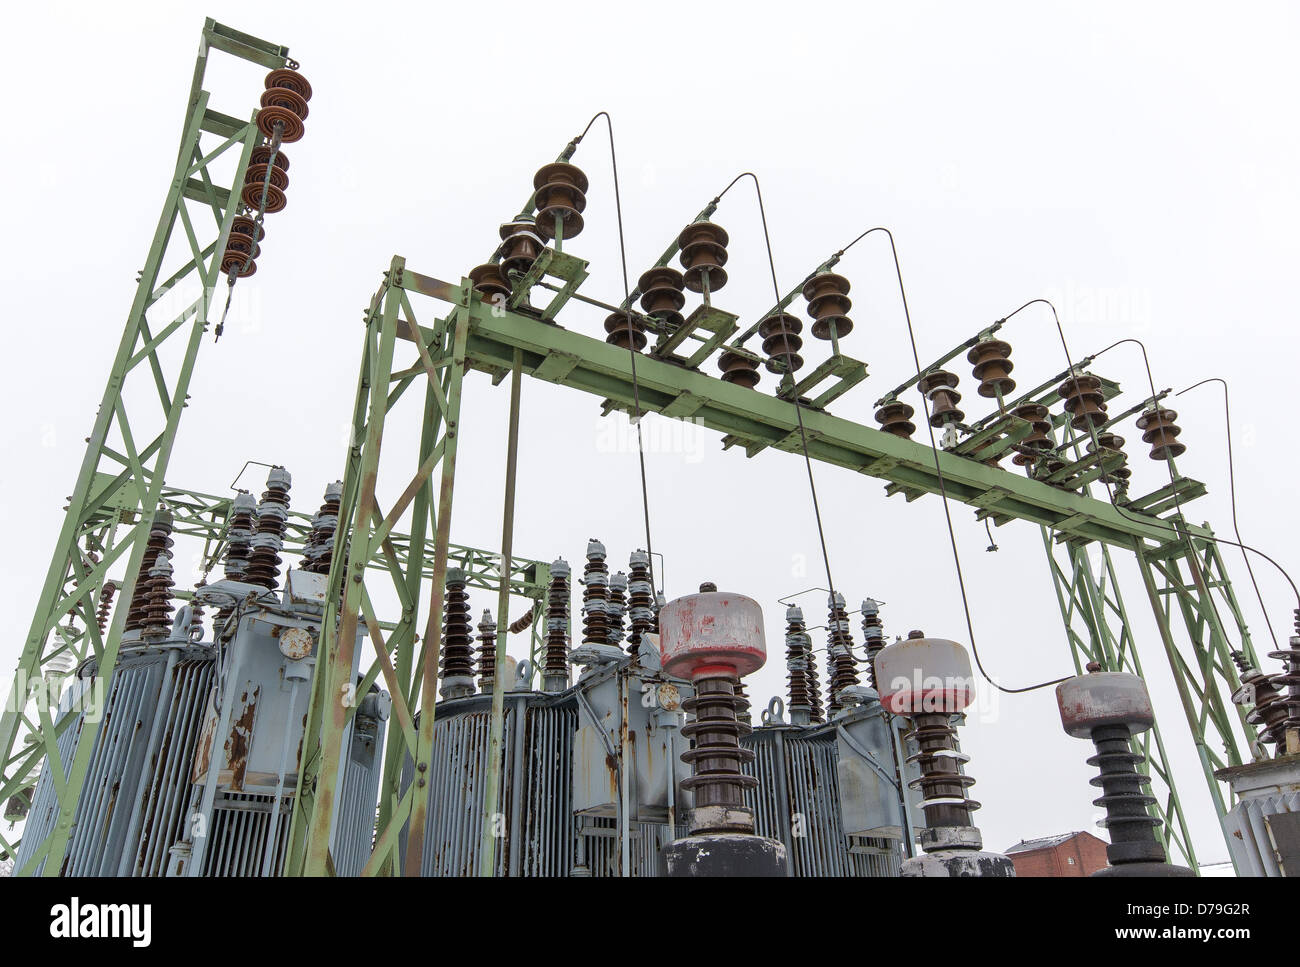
(1136, 164)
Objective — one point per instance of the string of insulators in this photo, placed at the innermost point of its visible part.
(269, 171)
(560, 196)
(595, 596)
(456, 660)
(617, 607)
(939, 386)
(487, 652)
(319, 550)
(703, 254)
(158, 544)
(662, 297)
(641, 612)
(873, 633)
(625, 331)
(1113, 441)
(243, 247)
(489, 280)
(896, 417)
(1159, 429)
(272, 512)
(519, 624)
(1083, 399)
(781, 342)
(739, 368)
(105, 606)
(840, 640)
(991, 365)
(556, 663)
(796, 660)
(828, 304)
(520, 245)
(1037, 416)
(284, 103)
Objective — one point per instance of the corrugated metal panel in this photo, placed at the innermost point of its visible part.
(1249, 835)
(354, 831)
(44, 812)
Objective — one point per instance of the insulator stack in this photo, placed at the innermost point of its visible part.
(817, 712)
(272, 512)
(284, 105)
(319, 550)
(828, 304)
(1269, 713)
(196, 611)
(940, 387)
(261, 164)
(662, 297)
(1159, 429)
(1289, 680)
(617, 607)
(595, 596)
(781, 342)
(1083, 399)
(991, 365)
(487, 652)
(561, 196)
(873, 633)
(519, 624)
(490, 280)
(457, 657)
(555, 666)
(158, 544)
(840, 640)
(796, 664)
(641, 611)
(625, 331)
(105, 606)
(158, 602)
(520, 245)
(243, 246)
(739, 369)
(717, 755)
(1113, 441)
(703, 254)
(1037, 416)
(896, 418)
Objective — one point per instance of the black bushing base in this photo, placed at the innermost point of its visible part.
(1144, 869)
(723, 854)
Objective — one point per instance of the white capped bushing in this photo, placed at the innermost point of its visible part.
(712, 634)
(920, 675)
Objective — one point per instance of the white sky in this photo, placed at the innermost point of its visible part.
(1135, 164)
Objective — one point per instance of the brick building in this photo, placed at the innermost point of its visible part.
(1066, 854)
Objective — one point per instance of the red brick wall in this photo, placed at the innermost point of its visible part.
(1087, 851)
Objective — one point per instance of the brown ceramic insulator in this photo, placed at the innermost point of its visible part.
(159, 542)
(560, 193)
(291, 126)
(1112, 441)
(717, 757)
(703, 249)
(828, 304)
(1288, 685)
(1269, 710)
(196, 610)
(739, 369)
(520, 246)
(556, 663)
(844, 671)
(595, 596)
(1037, 417)
(896, 418)
(264, 559)
(489, 280)
(519, 624)
(457, 657)
(157, 622)
(288, 107)
(662, 296)
(243, 225)
(233, 260)
(1083, 399)
(289, 79)
(239, 242)
(941, 781)
(1159, 429)
(940, 386)
(796, 660)
(256, 175)
(873, 633)
(251, 196)
(487, 653)
(818, 711)
(991, 364)
(781, 342)
(640, 602)
(105, 606)
(262, 155)
(625, 331)
(319, 550)
(616, 608)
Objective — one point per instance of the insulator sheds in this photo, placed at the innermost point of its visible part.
(519, 624)
(1113, 441)
(797, 654)
(703, 254)
(617, 607)
(1269, 713)
(242, 247)
(158, 544)
(105, 606)
(662, 297)
(828, 304)
(284, 105)
(487, 652)
(991, 365)
(717, 756)
(1038, 417)
(489, 280)
(1083, 399)
(595, 596)
(625, 331)
(196, 611)
(843, 668)
(158, 602)
(739, 369)
(781, 342)
(640, 600)
(239, 535)
(939, 386)
(1159, 429)
(873, 633)
(520, 245)
(560, 196)
(272, 512)
(319, 549)
(457, 658)
(1289, 680)
(896, 418)
(555, 665)
(270, 174)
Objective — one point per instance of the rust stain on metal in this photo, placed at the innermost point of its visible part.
(240, 739)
